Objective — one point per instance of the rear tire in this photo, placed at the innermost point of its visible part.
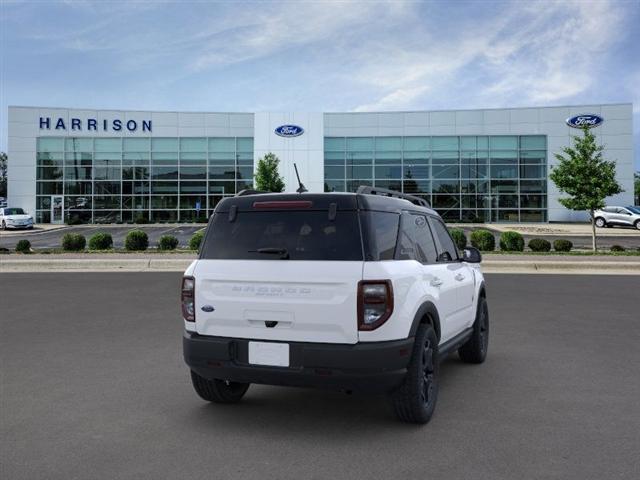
(218, 391)
(637, 224)
(415, 400)
(600, 222)
(4, 225)
(475, 349)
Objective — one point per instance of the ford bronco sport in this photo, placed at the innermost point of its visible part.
(357, 291)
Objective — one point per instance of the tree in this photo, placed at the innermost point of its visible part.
(636, 187)
(3, 174)
(267, 178)
(585, 177)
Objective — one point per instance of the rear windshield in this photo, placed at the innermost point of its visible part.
(284, 235)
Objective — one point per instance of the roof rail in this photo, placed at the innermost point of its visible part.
(368, 190)
(248, 191)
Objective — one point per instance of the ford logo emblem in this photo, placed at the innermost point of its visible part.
(289, 131)
(587, 120)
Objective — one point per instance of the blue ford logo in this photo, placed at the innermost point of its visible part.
(587, 120)
(289, 131)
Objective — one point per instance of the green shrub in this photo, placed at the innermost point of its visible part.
(141, 220)
(167, 242)
(539, 245)
(136, 240)
(483, 240)
(101, 241)
(459, 237)
(562, 245)
(617, 248)
(73, 242)
(74, 220)
(202, 219)
(23, 246)
(196, 240)
(511, 242)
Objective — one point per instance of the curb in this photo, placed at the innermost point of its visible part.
(28, 265)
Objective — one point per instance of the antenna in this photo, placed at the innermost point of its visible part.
(301, 188)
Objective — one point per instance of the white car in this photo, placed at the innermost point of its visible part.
(15, 218)
(620, 216)
(363, 291)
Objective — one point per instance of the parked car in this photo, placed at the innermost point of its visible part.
(3, 202)
(15, 218)
(621, 216)
(351, 291)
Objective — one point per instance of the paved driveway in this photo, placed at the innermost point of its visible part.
(94, 387)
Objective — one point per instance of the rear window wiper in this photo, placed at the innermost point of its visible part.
(283, 252)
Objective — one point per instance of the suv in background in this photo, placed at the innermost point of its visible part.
(363, 291)
(621, 216)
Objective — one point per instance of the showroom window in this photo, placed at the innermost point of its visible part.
(466, 178)
(126, 179)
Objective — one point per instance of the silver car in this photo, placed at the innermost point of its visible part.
(621, 216)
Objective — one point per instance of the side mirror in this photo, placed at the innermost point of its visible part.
(471, 255)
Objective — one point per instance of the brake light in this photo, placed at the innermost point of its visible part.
(292, 204)
(375, 303)
(188, 299)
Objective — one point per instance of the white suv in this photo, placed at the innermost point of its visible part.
(363, 291)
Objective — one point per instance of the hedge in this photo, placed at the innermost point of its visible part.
(562, 245)
(617, 248)
(539, 245)
(511, 242)
(483, 240)
(167, 242)
(101, 241)
(23, 246)
(136, 240)
(73, 242)
(459, 237)
(196, 240)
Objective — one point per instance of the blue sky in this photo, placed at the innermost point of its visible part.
(318, 56)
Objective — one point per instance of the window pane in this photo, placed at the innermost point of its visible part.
(193, 145)
(388, 158)
(193, 187)
(138, 144)
(106, 173)
(413, 171)
(388, 172)
(334, 172)
(444, 143)
(445, 158)
(245, 145)
(164, 202)
(468, 143)
(416, 158)
(445, 186)
(193, 173)
(108, 145)
(504, 171)
(78, 144)
(50, 144)
(533, 142)
(504, 157)
(49, 173)
(222, 145)
(388, 143)
(106, 188)
(359, 158)
(449, 171)
(168, 188)
(222, 187)
(77, 173)
(504, 142)
(334, 144)
(359, 143)
(334, 186)
(534, 156)
(219, 158)
(77, 188)
(49, 188)
(163, 173)
(417, 143)
(334, 158)
(359, 171)
(389, 184)
(164, 144)
(532, 171)
(416, 187)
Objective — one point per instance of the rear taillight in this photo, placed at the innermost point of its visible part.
(188, 299)
(375, 303)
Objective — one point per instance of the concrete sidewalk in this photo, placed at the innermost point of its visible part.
(551, 229)
(622, 265)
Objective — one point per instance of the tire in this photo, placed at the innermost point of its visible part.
(218, 391)
(600, 222)
(637, 224)
(4, 225)
(475, 349)
(415, 400)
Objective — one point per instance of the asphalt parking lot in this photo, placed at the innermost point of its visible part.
(94, 387)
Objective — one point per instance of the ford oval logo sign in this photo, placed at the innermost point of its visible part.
(587, 120)
(289, 131)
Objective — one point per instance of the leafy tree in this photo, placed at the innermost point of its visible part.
(267, 177)
(585, 177)
(3, 174)
(636, 187)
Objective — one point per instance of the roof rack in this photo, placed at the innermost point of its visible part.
(248, 191)
(368, 190)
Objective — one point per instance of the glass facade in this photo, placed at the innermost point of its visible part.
(498, 178)
(108, 180)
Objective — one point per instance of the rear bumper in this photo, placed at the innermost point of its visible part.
(370, 367)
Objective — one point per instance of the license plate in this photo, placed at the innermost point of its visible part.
(268, 353)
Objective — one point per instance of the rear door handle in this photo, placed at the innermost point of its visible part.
(436, 282)
(459, 277)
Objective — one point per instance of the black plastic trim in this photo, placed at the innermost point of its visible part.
(430, 309)
(454, 343)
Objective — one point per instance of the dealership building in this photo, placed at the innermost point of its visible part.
(107, 166)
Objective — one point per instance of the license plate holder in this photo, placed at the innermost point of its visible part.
(269, 354)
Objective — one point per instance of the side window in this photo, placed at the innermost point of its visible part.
(447, 251)
(415, 241)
